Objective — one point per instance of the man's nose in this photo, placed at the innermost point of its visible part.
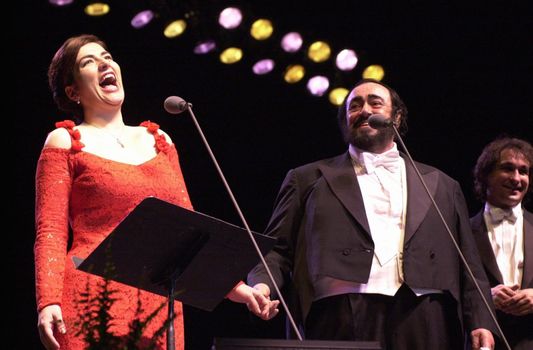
(365, 109)
(515, 175)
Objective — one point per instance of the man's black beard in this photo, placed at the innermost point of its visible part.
(366, 142)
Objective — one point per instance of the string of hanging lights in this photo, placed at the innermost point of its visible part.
(318, 65)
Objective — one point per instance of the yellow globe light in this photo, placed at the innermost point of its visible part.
(374, 71)
(97, 9)
(319, 51)
(294, 73)
(337, 96)
(231, 55)
(176, 28)
(261, 29)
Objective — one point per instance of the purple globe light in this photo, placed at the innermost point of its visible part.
(346, 60)
(230, 17)
(204, 47)
(60, 2)
(318, 85)
(142, 18)
(291, 42)
(263, 66)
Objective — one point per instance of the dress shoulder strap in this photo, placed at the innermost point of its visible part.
(75, 136)
(161, 143)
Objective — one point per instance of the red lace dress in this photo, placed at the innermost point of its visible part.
(92, 195)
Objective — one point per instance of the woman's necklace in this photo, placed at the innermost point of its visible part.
(115, 137)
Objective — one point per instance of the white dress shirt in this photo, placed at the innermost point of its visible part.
(506, 234)
(384, 191)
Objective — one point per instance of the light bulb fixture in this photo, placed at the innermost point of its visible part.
(261, 29)
(294, 73)
(175, 28)
(374, 71)
(346, 60)
(319, 51)
(142, 18)
(318, 85)
(97, 9)
(60, 2)
(230, 18)
(336, 96)
(291, 42)
(231, 55)
(204, 47)
(263, 66)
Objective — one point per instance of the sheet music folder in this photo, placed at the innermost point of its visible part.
(159, 242)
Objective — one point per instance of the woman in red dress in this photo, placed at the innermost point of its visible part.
(89, 177)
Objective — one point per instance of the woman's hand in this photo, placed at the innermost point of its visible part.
(50, 317)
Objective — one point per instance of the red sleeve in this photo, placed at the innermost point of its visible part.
(184, 200)
(52, 191)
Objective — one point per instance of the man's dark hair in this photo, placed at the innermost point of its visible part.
(398, 107)
(490, 156)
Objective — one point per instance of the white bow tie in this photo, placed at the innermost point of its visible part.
(498, 214)
(389, 160)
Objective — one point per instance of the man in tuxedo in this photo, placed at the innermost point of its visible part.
(361, 249)
(503, 231)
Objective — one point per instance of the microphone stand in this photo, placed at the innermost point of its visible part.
(465, 263)
(245, 223)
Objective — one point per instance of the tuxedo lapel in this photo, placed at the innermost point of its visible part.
(340, 176)
(418, 201)
(527, 277)
(479, 229)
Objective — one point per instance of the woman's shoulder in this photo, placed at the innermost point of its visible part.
(167, 138)
(64, 136)
(58, 138)
(155, 129)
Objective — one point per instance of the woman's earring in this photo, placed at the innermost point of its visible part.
(78, 101)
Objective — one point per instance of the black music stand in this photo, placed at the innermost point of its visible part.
(177, 253)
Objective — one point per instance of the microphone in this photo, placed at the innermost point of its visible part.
(379, 121)
(175, 105)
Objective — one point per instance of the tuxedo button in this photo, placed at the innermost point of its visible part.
(431, 255)
(346, 251)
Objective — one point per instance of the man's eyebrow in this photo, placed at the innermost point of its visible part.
(513, 165)
(356, 99)
(373, 97)
(370, 98)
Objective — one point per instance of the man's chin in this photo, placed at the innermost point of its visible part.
(368, 138)
(512, 202)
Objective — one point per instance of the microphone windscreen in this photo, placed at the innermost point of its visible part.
(379, 121)
(175, 105)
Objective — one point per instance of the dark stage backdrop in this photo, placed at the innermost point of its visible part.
(463, 71)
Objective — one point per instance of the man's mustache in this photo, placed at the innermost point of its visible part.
(360, 120)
